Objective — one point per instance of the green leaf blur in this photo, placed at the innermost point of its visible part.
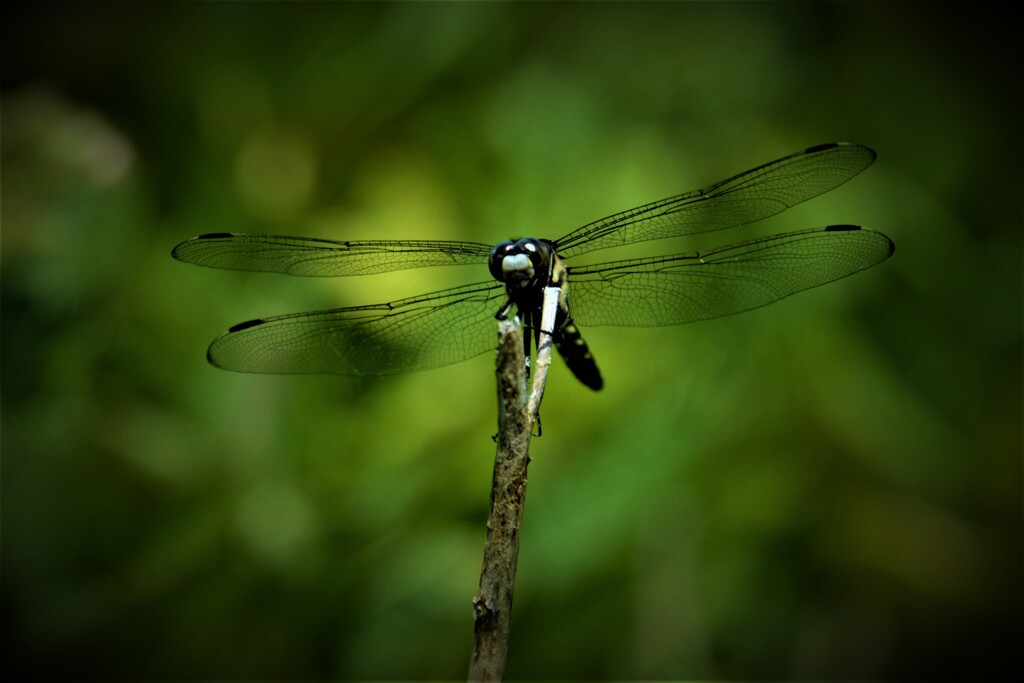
(829, 487)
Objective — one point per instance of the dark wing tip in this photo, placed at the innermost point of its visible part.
(821, 148)
(851, 228)
(832, 145)
(231, 330)
(180, 249)
(246, 325)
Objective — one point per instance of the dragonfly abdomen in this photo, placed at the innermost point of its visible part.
(576, 353)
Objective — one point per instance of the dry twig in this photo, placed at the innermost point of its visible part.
(517, 411)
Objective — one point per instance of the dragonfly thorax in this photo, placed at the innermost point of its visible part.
(522, 263)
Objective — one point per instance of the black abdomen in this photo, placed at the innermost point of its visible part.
(574, 350)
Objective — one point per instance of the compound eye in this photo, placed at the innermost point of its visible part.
(538, 252)
(501, 248)
(497, 256)
(532, 249)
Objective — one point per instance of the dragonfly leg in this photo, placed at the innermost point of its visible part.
(502, 313)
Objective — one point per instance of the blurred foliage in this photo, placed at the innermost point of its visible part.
(826, 488)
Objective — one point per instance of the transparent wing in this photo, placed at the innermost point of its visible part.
(321, 258)
(750, 196)
(670, 290)
(417, 333)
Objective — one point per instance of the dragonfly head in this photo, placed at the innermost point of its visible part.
(518, 263)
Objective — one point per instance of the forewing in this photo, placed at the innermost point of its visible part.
(670, 290)
(750, 196)
(418, 333)
(313, 257)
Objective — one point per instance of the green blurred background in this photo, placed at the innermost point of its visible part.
(829, 487)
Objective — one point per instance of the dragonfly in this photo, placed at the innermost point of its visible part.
(451, 325)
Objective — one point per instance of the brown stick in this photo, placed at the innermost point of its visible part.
(492, 607)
